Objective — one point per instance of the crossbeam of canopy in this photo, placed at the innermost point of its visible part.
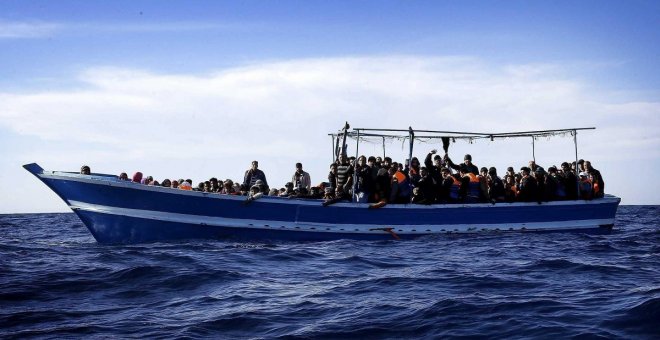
(457, 134)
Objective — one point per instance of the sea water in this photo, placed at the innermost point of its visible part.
(56, 281)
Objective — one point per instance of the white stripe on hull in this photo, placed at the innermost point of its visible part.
(335, 228)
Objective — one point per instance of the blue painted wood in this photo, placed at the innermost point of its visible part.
(107, 191)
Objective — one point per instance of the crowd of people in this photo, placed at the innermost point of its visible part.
(380, 181)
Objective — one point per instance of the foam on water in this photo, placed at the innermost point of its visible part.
(55, 281)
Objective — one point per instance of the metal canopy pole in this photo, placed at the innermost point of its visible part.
(357, 146)
(411, 135)
(577, 170)
(533, 151)
(384, 148)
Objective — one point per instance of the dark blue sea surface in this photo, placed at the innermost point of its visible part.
(56, 281)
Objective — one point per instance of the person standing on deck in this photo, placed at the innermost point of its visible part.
(467, 161)
(253, 174)
(344, 175)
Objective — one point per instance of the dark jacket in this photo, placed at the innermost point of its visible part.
(251, 177)
(527, 189)
(428, 188)
(496, 189)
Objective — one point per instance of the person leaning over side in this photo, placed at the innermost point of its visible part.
(253, 174)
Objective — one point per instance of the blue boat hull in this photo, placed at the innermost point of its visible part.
(122, 212)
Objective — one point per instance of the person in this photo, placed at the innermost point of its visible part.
(364, 183)
(495, 186)
(554, 179)
(288, 190)
(541, 190)
(449, 188)
(300, 178)
(214, 186)
(137, 177)
(228, 187)
(253, 175)
(510, 189)
(400, 185)
(427, 187)
(175, 184)
(340, 195)
(85, 170)
(570, 181)
(534, 167)
(467, 161)
(123, 176)
(262, 186)
(166, 183)
(596, 179)
(254, 194)
(344, 176)
(418, 197)
(383, 183)
(435, 170)
(185, 185)
(328, 193)
(332, 176)
(586, 186)
(200, 187)
(470, 189)
(483, 185)
(527, 188)
(411, 171)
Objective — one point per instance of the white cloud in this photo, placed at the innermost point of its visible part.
(280, 112)
(30, 29)
(45, 29)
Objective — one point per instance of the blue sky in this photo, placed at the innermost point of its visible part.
(288, 72)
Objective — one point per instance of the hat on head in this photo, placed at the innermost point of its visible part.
(583, 174)
(492, 170)
(259, 182)
(509, 168)
(298, 165)
(467, 157)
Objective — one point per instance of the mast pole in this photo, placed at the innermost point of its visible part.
(333, 148)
